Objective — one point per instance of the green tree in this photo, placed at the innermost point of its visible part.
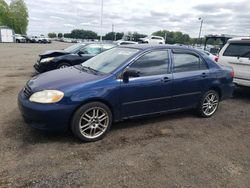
(83, 34)
(52, 35)
(109, 36)
(59, 35)
(173, 37)
(137, 36)
(19, 16)
(67, 35)
(4, 14)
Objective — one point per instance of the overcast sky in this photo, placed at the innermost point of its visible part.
(144, 16)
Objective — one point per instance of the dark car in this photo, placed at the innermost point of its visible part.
(70, 56)
(29, 39)
(121, 83)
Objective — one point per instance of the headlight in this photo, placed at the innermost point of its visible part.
(47, 96)
(48, 59)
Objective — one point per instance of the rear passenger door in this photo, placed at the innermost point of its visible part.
(190, 75)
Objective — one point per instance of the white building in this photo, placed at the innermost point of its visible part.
(6, 34)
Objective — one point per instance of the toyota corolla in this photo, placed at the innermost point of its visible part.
(124, 82)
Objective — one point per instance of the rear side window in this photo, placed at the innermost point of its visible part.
(152, 63)
(237, 50)
(156, 38)
(184, 62)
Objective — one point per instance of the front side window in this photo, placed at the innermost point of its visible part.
(184, 62)
(237, 50)
(74, 48)
(152, 63)
(92, 49)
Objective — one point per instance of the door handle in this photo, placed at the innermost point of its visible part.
(165, 79)
(204, 75)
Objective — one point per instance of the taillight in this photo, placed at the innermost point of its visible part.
(232, 73)
(216, 58)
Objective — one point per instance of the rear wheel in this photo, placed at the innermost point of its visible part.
(63, 65)
(91, 122)
(209, 104)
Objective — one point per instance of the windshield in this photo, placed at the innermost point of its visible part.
(73, 48)
(110, 60)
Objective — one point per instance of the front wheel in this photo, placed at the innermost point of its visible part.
(63, 65)
(91, 122)
(209, 104)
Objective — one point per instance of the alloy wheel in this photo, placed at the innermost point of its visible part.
(94, 122)
(210, 104)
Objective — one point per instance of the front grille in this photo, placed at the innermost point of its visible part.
(27, 91)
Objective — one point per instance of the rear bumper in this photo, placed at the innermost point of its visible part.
(45, 116)
(227, 91)
(242, 82)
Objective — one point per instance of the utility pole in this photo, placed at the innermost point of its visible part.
(101, 19)
(113, 31)
(200, 29)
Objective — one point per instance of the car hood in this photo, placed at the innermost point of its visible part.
(53, 53)
(62, 79)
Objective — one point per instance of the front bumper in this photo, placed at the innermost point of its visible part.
(45, 116)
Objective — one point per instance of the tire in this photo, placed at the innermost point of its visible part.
(209, 104)
(17, 41)
(63, 65)
(93, 127)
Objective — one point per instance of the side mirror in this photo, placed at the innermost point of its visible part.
(130, 73)
(80, 53)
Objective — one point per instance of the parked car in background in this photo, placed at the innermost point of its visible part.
(70, 56)
(41, 39)
(19, 38)
(124, 82)
(153, 40)
(123, 42)
(29, 39)
(236, 53)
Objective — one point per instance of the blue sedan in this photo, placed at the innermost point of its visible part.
(124, 82)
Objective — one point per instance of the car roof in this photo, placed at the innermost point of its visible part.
(239, 39)
(155, 46)
(89, 42)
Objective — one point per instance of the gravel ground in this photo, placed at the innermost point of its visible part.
(173, 150)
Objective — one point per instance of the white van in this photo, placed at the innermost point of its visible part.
(236, 53)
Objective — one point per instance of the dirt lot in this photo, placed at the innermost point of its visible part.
(174, 150)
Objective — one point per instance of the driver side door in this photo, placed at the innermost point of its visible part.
(150, 92)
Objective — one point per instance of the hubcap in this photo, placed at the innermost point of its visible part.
(210, 104)
(93, 122)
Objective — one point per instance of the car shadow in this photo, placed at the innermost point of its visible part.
(18, 130)
(152, 119)
(242, 93)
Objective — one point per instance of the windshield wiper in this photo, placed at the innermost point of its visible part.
(91, 69)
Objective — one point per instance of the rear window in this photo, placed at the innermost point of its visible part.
(237, 50)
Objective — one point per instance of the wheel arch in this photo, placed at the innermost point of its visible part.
(218, 90)
(95, 100)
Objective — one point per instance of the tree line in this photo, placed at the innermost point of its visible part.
(171, 37)
(15, 15)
